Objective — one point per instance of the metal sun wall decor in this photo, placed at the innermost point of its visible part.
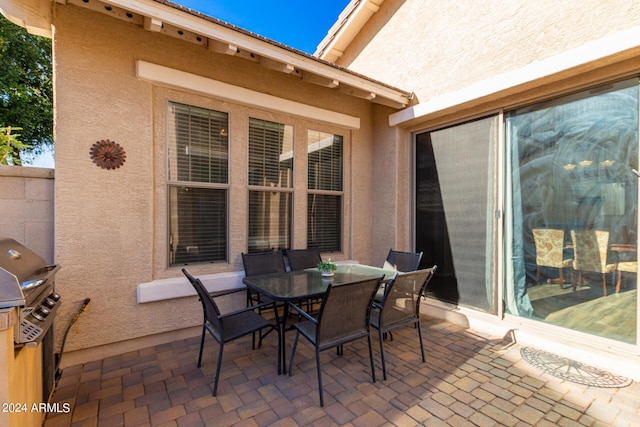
(107, 154)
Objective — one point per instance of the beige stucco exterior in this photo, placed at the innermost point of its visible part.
(435, 48)
(461, 59)
(111, 225)
(468, 59)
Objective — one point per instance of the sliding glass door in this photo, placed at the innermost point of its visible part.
(571, 211)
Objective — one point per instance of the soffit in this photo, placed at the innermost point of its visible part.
(174, 20)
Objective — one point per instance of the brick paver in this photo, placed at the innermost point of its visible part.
(469, 379)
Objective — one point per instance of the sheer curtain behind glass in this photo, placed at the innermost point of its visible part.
(571, 170)
(197, 177)
(324, 199)
(270, 185)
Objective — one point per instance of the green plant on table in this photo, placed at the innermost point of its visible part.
(327, 266)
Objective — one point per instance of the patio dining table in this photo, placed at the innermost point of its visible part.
(293, 286)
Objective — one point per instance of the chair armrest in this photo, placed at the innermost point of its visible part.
(376, 305)
(223, 293)
(242, 310)
(303, 313)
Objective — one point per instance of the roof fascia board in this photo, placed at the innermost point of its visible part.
(171, 77)
(352, 19)
(33, 15)
(168, 14)
(609, 46)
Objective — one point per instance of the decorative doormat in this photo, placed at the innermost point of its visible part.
(570, 370)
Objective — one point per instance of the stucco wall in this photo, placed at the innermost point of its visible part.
(437, 47)
(26, 203)
(111, 225)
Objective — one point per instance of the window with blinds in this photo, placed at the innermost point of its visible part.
(324, 198)
(270, 179)
(197, 180)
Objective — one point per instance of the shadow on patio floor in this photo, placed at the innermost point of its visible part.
(468, 379)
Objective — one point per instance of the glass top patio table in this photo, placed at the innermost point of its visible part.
(299, 285)
(296, 285)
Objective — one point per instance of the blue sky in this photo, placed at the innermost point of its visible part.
(301, 24)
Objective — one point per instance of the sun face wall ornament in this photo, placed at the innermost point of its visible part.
(107, 154)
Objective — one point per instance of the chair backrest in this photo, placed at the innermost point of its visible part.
(590, 250)
(211, 311)
(549, 247)
(300, 259)
(402, 296)
(345, 311)
(403, 261)
(263, 263)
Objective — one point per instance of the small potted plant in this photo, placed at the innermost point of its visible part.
(327, 267)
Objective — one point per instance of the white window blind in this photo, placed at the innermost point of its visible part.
(197, 144)
(270, 179)
(324, 199)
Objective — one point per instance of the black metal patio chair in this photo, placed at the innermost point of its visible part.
(343, 317)
(400, 261)
(300, 259)
(261, 263)
(403, 261)
(400, 306)
(229, 326)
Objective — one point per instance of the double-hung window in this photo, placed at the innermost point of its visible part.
(197, 182)
(270, 177)
(324, 197)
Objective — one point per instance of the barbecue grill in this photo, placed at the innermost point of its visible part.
(28, 283)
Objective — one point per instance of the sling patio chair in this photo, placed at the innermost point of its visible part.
(256, 263)
(343, 317)
(400, 306)
(229, 326)
(301, 259)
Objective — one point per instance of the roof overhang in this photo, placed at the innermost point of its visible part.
(349, 23)
(193, 27)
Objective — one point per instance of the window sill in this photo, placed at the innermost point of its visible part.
(179, 287)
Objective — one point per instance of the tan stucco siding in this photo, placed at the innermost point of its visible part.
(434, 47)
(111, 225)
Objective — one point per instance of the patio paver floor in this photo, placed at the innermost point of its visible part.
(469, 379)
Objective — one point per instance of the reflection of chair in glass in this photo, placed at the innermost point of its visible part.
(549, 251)
(400, 306)
(403, 261)
(590, 249)
(227, 327)
(300, 259)
(627, 267)
(343, 317)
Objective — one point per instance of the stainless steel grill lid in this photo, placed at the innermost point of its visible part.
(23, 274)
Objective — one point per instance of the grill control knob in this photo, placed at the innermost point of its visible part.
(41, 313)
(48, 302)
(54, 296)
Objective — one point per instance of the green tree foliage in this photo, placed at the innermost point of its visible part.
(10, 147)
(26, 93)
